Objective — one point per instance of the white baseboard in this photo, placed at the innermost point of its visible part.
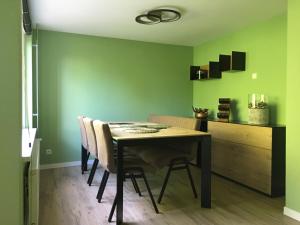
(291, 213)
(61, 165)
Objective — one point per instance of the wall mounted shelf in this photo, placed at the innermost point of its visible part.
(234, 62)
(229, 63)
(205, 72)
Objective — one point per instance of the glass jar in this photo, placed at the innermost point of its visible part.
(258, 110)
(259, 101)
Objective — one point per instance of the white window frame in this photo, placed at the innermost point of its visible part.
(26, 80)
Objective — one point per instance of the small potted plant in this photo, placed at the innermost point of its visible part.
(200, 113)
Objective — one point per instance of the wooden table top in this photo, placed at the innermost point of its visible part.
(123, 132)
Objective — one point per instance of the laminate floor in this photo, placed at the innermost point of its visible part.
(66, 199)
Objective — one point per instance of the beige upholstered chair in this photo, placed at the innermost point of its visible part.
(175, 156)
(133, 167)
(175, 121)
(84, 145)
(92, 146)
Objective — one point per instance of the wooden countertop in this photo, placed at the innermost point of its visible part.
(249, 124)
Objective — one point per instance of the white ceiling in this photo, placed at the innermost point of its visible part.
(201, 19)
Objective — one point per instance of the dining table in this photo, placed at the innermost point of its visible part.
(126, 134)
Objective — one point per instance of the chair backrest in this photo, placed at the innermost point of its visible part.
(105, 146)
(176, 121)
(83, 135)
(88, 124)
(182, 122)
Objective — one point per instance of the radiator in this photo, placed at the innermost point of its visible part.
(31, 185)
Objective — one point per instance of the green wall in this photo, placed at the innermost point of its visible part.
(292, 118)
(10, 113)
(265, 47)
(107, 79)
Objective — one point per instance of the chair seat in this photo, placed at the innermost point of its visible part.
(131, 161)
(128, 151)
(138, 163)
(131, 158)
(160, 157)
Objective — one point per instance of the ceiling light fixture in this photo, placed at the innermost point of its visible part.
(158, 16)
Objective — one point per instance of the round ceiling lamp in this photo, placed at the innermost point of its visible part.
(147, 19)
(158, 16)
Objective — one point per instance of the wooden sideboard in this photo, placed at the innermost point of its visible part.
(250, 155)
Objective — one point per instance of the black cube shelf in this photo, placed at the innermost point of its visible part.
(234, 62)
(210, 71)
(229, 63)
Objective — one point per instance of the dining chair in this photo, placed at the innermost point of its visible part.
(92, 146)
(84, 145)
(133, 167)
(175, 156)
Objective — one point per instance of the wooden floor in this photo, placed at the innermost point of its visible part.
(66, 199)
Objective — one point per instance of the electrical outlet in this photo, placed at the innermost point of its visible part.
(48, 151)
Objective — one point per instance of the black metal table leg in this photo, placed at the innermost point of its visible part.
(206, 172)
(120, 177)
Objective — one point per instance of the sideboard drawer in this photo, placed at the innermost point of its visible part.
(243, 134)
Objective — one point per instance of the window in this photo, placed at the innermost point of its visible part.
(27, 81)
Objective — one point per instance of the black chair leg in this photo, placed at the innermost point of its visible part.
(132, 176)
(165, 184)
(191, 180)
(83, 159)
(92, 173)
(112, 209)
(86, 161)
(135, 185)
(150, 193)
(102, 185)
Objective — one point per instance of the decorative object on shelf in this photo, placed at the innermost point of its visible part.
(229, 63)
(224, 110)
(258, 110)
(156, 16)
(200, 113)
